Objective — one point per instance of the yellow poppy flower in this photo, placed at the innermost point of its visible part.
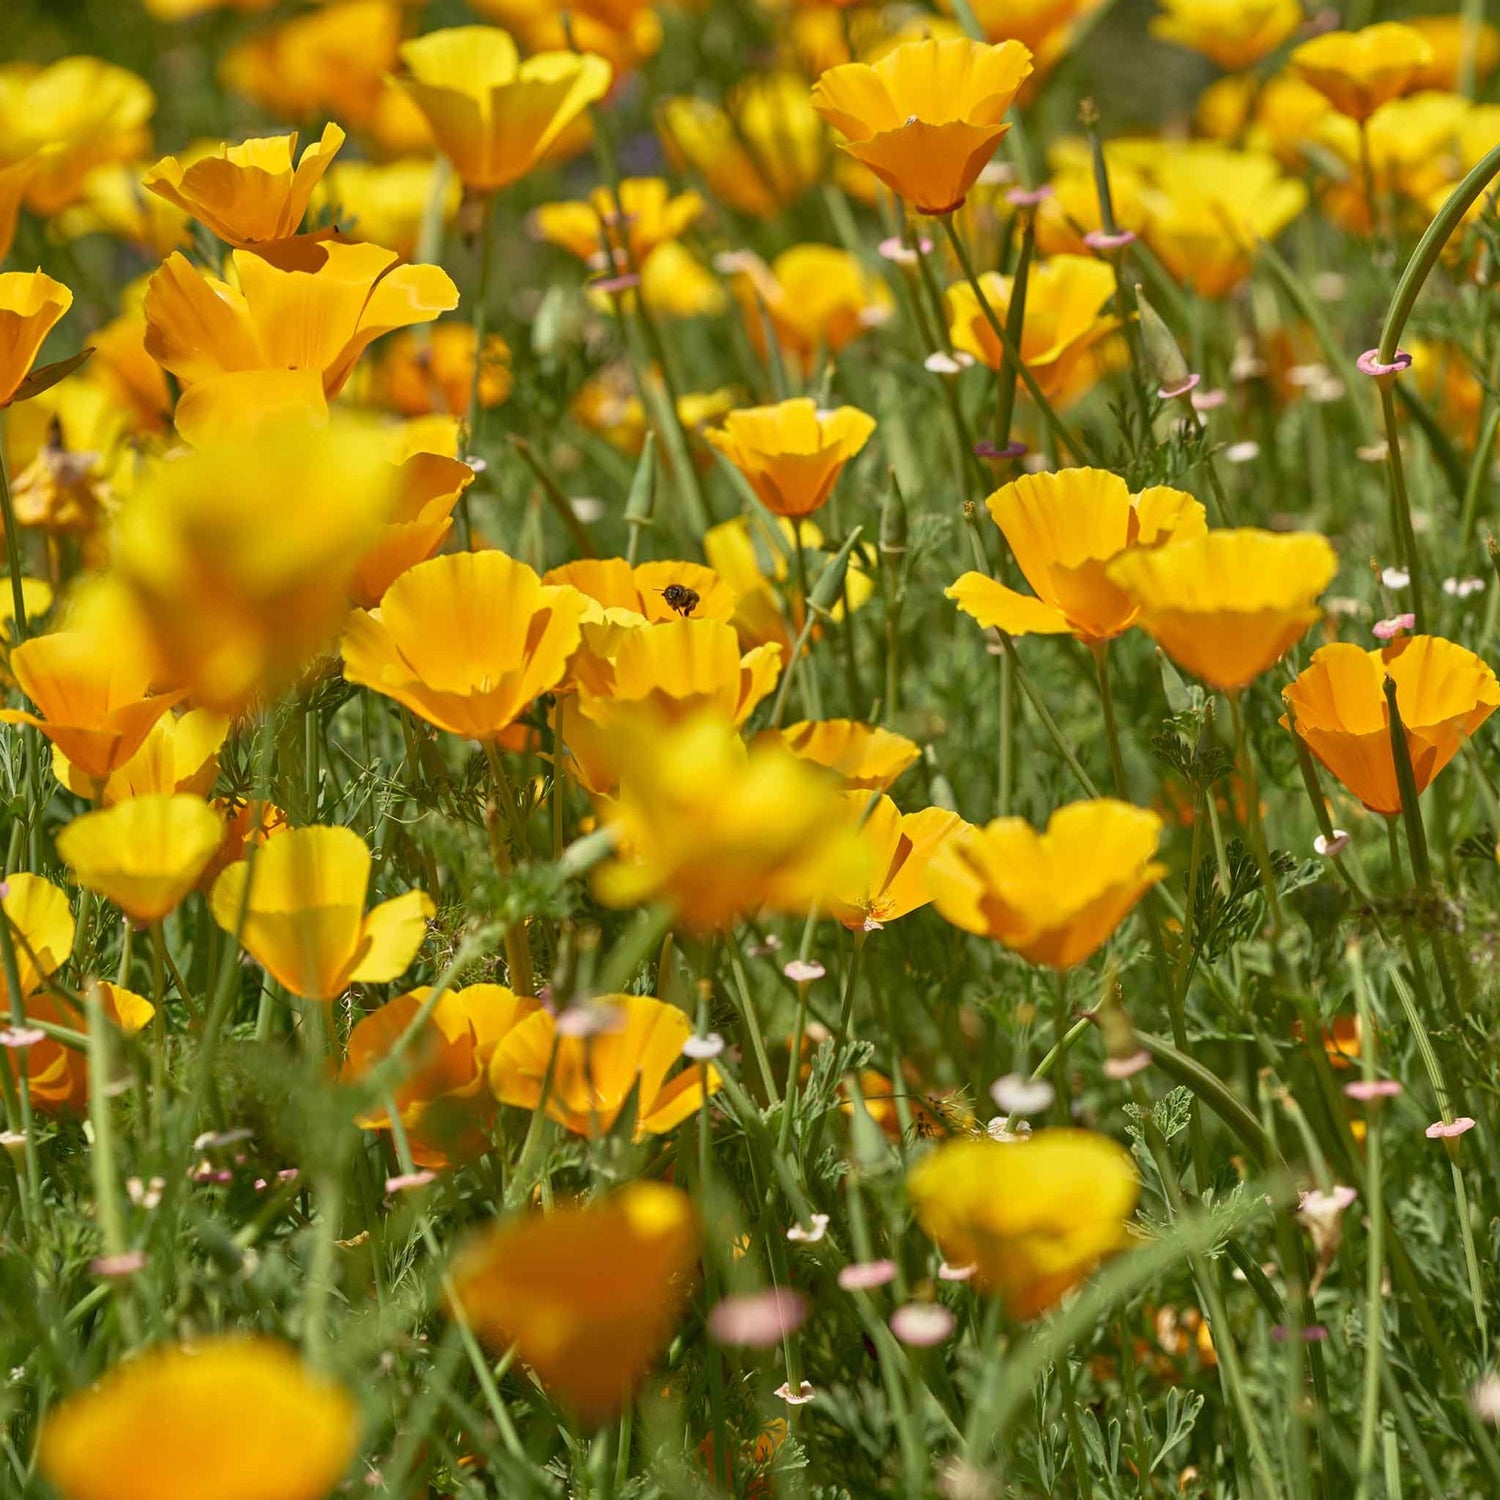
(624, 32)
(36, 598)
(609, 404)
(927, 117)
(1032, 1217)
(718, 831)
(792, 454)
(1063, 530)
(1055, 897)
(82, 112)
(467, 641)
(57, 1075)
(1071, 210)
(901, 847)
(759, 152)
(182, 10)
(306, 923)
(1337, 707)
(589, 1296)
(385, 203)
(250, 193)
(1357, 71)
(1045, 27)
(653, 590)
(307, 306)
(93, 697)
(228, 1418)
(644, 215)
(428, 487)
(493, 115)
(144, 854)
(234, 601)
(593, 1076)
(674, 284)
(441, 1099)
(30, 306)
(179, 754)
(1234, 34)
(417, 374)
(819, 300)
(246, 825)
(15, 177)
(126, 372)
(1228, 605)
(863, 756)
(1065, 317)
(1448, 36)
(42, 922)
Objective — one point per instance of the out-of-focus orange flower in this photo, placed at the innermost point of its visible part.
(386, 203)
(864, 756)
(124, 368)
(428, 486)
(57, 1076)
(417, 373)
(14, 179)
(1232, 33)
(624, 32)
(1064, 529)
(759, 152)
(1071, 210)
(610, 405)
(183, 10)
(901, 849)
(441, 1096)
(927, 117)
(78, 113)
(632, 222)
(1448, 37)
(250, 193)
(1045, 27)
(589, 1296)
(246, 824)
(1337, 707)
(1032, 1217)
(1357, 71)
(633, 1056)
(1229, 604)
(495, 116)
(229, 1418)
(1445, 375)
(30, 306)
(43, 921)
(792, 454)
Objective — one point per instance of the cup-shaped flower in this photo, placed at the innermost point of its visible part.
(428, 486)
(440, 1091)
(1357, 71)
(863, 756)
(227, 1418)
(144, 854)
(1032, 1217)
(657, 591)
(467, 641)
(236, 598)
(792, 454)
(300, 316)
(93, 697)
(1337, 707)
(1065, 318)
(304, 919)
(1235, 34)
(634, 1056)
(493, 115)
(1064, 529)
(928, 116)
(901, 849)
(30, 305)
(718, 831)
(1055, 897)
(41, 923)
(632, 221)
(58, 1075)
(179, 754)
(589, 1295)
(1229, 604)
(250, 193)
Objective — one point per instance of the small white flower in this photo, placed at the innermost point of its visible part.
(1331, 847)
(948, 364)
(1396, 578)
(800, 1397)
(812, 1234)
(1022, 1096)
(803, 971)
(703, 1048)
(1242, 453)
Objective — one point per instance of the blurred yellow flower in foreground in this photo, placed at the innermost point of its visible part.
(590, 1295)
(467, 641)
(638, 1044)
(1032, 1217)
(1063, 530)
(1337, 707)
(926, 117)
(862, 755)
(792, 454)
(1357, 71)
(249, 193)
(30, 306)
(1055, 897)
(144, 854)
(494, 115)
(305, 922)
(1233, 33)
(43, 921)
(718, 831)
(1229, 604)
(239, 587)
(228, 1418)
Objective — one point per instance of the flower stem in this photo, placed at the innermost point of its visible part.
(517, 943)
(1402, 532)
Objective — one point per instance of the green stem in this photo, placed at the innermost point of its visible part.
(517, 943)
(1403, 534)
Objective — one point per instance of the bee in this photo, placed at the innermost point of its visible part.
(681, 598)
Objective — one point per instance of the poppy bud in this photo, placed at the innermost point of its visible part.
(1159, 344)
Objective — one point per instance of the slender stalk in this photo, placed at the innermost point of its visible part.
(517, 943)
(474, 416)
(102, 1158)
(1403, 534)
(1253, 825)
